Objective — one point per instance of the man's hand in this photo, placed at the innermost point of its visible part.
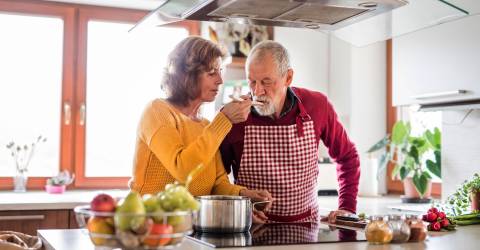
(332, 216)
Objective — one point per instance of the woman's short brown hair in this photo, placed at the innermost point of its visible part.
(191, 57)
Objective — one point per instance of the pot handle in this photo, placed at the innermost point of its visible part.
(259, 202)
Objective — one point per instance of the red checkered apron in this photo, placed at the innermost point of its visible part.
(283, 160)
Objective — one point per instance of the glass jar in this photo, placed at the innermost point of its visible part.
(400, 228)
(418, 230)
(377, 230)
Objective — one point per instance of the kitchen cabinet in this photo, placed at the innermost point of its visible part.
(29, 221)
(429, 66)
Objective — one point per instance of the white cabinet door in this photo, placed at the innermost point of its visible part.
(429, 66)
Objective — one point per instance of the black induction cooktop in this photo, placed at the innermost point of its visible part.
(279, 234)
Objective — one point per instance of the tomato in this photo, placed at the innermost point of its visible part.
(153, 239)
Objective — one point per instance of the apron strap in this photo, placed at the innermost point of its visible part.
(302, 117)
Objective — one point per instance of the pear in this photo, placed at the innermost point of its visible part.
(130, 214)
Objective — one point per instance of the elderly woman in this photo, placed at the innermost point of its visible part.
(172, 138)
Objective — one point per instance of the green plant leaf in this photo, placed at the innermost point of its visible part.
(379, 145)
(409, 163)
(434, 168)
(403, 172)
(437, 138)
(382, 164)
(399, 132)
(395, 171)
(427, 175)
(420, 182)
(414, 154)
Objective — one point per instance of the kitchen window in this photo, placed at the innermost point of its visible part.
(420, 121)
(75, 75)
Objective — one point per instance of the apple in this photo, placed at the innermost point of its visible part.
(100, 225)
(103, 203)
(154, 238)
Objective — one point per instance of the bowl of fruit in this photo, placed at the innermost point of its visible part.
(158, 221)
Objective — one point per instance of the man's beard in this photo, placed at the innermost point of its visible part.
(267, 109)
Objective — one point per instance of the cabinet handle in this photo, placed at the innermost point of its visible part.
(67, 113)
(83, 111)
(22, 217)
(441, 94)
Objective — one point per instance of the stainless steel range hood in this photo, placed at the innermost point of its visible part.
(357, 22)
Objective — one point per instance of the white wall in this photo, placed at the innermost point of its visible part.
(308, 54)
(460, 148)
(358, 91)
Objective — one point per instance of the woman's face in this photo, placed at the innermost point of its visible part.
(210, 82)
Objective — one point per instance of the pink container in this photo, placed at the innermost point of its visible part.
(55, 189)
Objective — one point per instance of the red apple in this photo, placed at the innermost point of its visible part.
(154, 240)
(103, 203)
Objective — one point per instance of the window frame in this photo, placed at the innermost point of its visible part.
(67, 13)
(72, 138)
(104, 14)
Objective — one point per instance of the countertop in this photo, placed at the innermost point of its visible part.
(41, 200)
(464, 238)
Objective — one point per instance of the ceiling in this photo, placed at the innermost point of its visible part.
(129, 4)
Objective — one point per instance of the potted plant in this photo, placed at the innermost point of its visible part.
(409, 154)
(57, 184)
(466, 196)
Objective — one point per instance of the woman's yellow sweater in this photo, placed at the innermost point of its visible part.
(170, 144)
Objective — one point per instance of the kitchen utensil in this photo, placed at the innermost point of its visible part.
(224, 214)
(236, 98)
(348, 217)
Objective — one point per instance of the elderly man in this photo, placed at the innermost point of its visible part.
(276, 148)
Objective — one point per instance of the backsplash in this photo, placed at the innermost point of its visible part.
(460, 148)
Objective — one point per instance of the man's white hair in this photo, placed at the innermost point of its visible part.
(278, 52)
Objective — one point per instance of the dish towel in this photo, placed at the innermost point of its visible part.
(10, 240)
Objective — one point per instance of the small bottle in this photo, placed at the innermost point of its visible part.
(378, 231)
(400, 228)
(418, 230)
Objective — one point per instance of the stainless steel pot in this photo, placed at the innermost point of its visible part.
(224, 214)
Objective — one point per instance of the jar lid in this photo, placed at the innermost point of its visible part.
(413, 217)
(396, 217)
(378, 218)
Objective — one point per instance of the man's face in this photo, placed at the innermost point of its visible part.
(267, 85)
